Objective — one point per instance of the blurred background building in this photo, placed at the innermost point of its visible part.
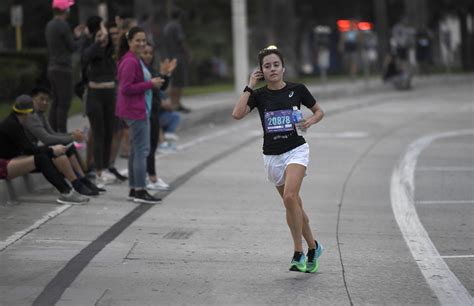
(309, 33)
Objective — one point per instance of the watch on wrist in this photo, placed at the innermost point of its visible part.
(248, 89)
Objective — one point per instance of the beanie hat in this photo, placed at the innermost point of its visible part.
(23, 105)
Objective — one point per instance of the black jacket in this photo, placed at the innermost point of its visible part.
(156, 99)
(98, 63)
(14, 142)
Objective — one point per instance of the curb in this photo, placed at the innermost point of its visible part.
(26, 184)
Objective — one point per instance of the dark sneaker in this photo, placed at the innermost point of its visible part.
(183, 109)
(142, 196)
(312, 264)
(117, 174)
(91, 185)
(91, 174)
(298, 265)
(80, 187)
(131, 195)
(72, 198)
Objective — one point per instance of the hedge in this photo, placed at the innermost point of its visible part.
(20, 72)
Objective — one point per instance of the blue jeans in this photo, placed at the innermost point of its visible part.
(139, 148)
(169, 121)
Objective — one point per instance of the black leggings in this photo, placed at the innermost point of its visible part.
(154, 136)
(45, 165)
(61, 90)
(101, 112)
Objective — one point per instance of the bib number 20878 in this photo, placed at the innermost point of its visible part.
(278, 121)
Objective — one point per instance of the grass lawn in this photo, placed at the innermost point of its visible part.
(208, 89)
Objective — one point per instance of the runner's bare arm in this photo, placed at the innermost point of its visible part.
(318, 114)
(241, 109)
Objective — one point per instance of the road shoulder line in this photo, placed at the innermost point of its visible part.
(439, 277)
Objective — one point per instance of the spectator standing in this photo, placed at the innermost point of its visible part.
(424, 39)
(18, 156)
(120, 142)
(119, 125)
(134, 100)
(166, 68)
(175, 46)
(349, 45)
(61, 45)
(100, 102)
(125, 21)
(114, 34)
(403, 40)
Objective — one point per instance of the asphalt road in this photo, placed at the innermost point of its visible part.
(389, 192)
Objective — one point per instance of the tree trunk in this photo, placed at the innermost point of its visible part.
(417, 13)
(381, 27)
(86, 8)
(466, 42)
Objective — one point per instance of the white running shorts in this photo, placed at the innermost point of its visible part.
(275, 165)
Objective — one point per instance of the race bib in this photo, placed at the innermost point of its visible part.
(278, 121)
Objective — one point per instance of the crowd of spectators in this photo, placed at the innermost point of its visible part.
(128, 110)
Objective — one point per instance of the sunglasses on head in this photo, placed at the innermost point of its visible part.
(265, 50)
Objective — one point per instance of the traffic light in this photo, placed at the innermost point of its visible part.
(345, 25)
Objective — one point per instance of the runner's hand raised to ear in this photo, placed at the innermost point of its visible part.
(256, 76)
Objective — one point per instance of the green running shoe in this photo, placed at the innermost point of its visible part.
(298, 265)
(312, 264)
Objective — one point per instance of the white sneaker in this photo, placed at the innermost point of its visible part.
(166, 148)
(105, 178)
(158, 185)
(171, 136)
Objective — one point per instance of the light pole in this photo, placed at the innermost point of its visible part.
(240, 44)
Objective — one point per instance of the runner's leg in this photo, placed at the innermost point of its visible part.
(307, 233)
(294, 174)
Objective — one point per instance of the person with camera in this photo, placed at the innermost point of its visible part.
(100, 102)
(134, 103)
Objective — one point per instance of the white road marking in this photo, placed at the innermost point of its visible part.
(458, 256)
(462, 169)
(20, 234)
(343, 135)
(445, 202)
(442, 281)
(325, 135)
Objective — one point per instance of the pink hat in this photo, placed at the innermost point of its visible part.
(62, 4)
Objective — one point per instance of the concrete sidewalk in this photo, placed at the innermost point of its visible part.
(212, 109)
